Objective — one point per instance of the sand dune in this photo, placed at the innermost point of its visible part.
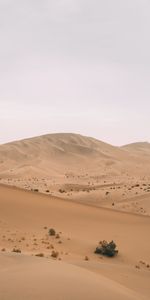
(52, 153)
(81, 169)
(79, 186)
(38, 279)
(24, 221)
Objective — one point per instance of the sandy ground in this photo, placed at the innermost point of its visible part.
(25, 218)
(80, 169)
(87, 191)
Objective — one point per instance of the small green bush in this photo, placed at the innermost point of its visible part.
(108, 249)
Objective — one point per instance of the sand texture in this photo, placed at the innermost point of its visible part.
(80, 169)
(87, 191)
(25, 218)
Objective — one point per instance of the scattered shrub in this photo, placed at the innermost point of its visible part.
(39, 254)
(86, 258)
(54, 254)
(57, 236)
(16, 250)
(62, 191)
(52, 231)
(137, 267)
(108, 249)
(3, 249)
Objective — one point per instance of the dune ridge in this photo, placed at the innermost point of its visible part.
(81, 169)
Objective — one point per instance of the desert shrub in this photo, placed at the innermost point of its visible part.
(86, 258)
(52, 231)
(57, 236)
(62, 191)
(16, 250)
(105, 248)
(3, 249)
(39, 254)
(54, 254)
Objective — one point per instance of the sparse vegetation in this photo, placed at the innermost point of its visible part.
(52, 232)
(57, 236)
(62, 191)
(39, 254)
(16, 250)
(54, 254)
(107, 249)
(86, 258)
(3, 249)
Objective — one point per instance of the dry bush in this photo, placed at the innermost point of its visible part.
(57, 236)
(86, 258)
(3, 249)
(62, 191)
(39, 254)
(107, 249)
(52, 232)
(16, 250)
(54, 254)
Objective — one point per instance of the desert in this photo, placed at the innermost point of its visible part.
(74, 150)
(66, 189)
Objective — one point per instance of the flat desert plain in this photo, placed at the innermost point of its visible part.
(88, 191)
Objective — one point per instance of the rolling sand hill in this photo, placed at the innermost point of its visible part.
(80, 169)
(76, 273)
(87, 191)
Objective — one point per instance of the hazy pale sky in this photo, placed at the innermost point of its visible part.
(78, 66)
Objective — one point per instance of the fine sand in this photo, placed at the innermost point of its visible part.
(81, 169)
(88, 191)
(77, 273)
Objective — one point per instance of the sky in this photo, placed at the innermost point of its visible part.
(79, 66)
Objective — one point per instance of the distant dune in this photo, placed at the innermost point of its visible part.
(57, 153)
(81, 169)
(87, 191)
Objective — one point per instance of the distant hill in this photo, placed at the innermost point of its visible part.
(55, 154)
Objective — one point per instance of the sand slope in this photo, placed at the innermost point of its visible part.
(52, 153)
(30, 278)
(81, 169)
(24, 221)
